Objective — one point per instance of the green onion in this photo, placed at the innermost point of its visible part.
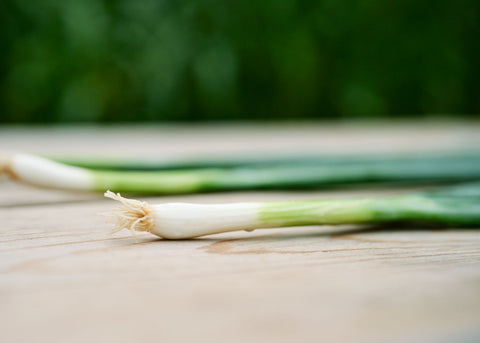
(451, 206)
(47, 173)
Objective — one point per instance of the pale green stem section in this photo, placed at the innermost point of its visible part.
(415, 207)
(164, 182)
(316, 212)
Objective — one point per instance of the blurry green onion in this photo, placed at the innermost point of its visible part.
(43, 172)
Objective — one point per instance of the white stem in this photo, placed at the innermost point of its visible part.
(182, 220)
(42, 172)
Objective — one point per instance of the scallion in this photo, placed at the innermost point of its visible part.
(43, 172)
(452, 206)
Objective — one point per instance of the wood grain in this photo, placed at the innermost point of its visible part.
(63, 278)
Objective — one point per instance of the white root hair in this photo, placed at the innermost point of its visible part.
(133, 215)
(5, 161)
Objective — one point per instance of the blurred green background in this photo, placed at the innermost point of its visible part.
(150, 60)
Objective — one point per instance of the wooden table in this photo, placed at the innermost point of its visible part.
(65, 279)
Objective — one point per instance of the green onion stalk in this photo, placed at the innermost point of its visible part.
(266, 160)
(47, 173)
(457, 206)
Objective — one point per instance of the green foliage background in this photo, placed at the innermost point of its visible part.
(145, 60)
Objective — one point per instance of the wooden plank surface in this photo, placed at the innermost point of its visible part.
(65, 279)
